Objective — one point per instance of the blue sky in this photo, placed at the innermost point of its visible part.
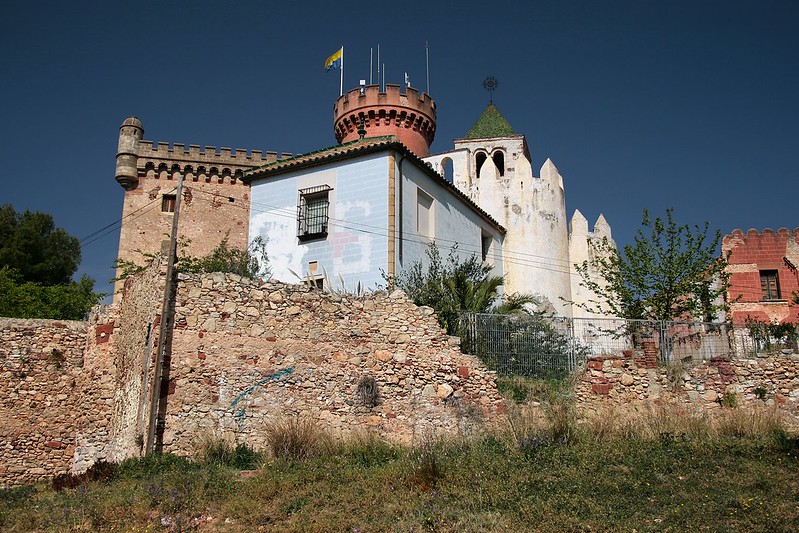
(640, 104)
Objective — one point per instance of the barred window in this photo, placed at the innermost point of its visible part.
(769, 285)
(312, 212)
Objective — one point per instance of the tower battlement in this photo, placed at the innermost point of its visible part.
(752, 233)
(137, 158)
(409, 116)
(207, 154)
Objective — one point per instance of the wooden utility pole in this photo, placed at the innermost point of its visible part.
(165, 330)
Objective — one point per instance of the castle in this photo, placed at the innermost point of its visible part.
(372, 202)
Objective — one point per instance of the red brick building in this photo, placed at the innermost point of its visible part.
(763, 274)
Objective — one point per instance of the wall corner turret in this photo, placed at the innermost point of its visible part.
(130, 133)
(411, 116)
(550, 173)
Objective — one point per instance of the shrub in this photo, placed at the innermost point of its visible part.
(562, 417)
(221, 452)
(296, 439)
(729, 399)
(367, 391)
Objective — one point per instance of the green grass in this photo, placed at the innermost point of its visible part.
(483, 484)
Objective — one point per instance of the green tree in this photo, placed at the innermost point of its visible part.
(453, 286)
(39, 252)
(37, 261)
(670, 272)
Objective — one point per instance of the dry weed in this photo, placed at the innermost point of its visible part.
(296, 439)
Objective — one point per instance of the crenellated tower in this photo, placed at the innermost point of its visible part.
(410, 116)
(215, 204)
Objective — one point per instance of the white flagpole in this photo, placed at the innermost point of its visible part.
(341, 83)
(371, 63)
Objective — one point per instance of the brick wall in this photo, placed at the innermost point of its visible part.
(752, 252)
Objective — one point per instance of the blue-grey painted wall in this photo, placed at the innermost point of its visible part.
(356, 247)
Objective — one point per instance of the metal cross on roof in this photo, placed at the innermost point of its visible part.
(490, 84)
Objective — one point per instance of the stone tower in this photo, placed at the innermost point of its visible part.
(215, 204)
(411, 117)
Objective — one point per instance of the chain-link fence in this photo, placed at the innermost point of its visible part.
(539, 346)
(522, 344)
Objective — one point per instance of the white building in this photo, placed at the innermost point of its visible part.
(492, 166)
(347, 214)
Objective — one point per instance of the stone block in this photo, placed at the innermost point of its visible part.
(601, 388)
(383, 355)
(444, 390)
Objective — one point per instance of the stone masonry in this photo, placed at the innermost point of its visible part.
(56, 395)
(243, 353)
(764, 380)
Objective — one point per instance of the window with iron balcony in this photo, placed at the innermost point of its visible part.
(312, 212)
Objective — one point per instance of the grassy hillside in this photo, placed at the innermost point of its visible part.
(659, 470)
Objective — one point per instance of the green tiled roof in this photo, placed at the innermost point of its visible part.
(490, 124)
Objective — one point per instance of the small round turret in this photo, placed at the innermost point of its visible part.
(130, 133)
(411, 117)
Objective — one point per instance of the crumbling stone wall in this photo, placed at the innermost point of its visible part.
(133, 349)
(763, 380)
(55, 397)
(245, 353)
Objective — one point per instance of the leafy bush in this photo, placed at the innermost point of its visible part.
(771, 336)
(220, 452)
(252, 263)
(454, 286)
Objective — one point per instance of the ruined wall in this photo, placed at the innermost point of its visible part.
(133, 350)
(763, 380)
(245, 353)
(55, 397)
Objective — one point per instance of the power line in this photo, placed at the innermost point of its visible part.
(85, 241)
(508, 257)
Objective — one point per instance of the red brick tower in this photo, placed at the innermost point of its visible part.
(411, 117)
